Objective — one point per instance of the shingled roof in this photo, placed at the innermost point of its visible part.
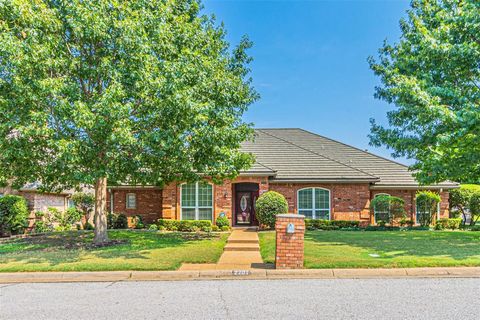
(296, 155)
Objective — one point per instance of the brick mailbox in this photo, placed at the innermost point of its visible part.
(290, 230)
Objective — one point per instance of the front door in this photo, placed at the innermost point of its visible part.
(244, 208)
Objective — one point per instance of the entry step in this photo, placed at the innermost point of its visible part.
(242, 247)
(242, 241)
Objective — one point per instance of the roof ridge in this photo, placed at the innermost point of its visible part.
(265, 166)
(356, 148)
(320, 155)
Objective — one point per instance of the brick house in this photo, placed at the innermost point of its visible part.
(320, 178)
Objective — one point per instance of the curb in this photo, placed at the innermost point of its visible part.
(252, 274)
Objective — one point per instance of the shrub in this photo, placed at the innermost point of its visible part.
(225, 228)
(215, 228)
(41, 227)
(460, 199)
(387, 209)
(475, 228)
(206, 229)
(121, 222)
(427, 207)
(85, 202)
(88, 226)
(447, 223)
(268, 205)
(404, 222)
(184, 225)
(222, 221)
(137, 222)
(474, 205)
(162, 228)
(13, 215)
(319, 224)
(153, 227)
(382, 228)
(111, 218)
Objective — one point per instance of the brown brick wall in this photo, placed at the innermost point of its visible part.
(347, 201)
(289, 247)
(148, 203)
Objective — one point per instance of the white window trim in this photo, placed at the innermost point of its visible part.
(196, 207)
(127, 202)
(374, 213)
(313, 204)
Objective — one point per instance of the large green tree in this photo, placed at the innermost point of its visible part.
(133, 91)
(432, 78)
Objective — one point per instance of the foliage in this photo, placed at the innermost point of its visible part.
(84, 202)
(448, 223)
(138, 222)
(136, 91)
(153, 227)
(121, 222)
(222, 221)
(62, 220)
(268, 205)
(404, 222)
(474, 206)
(427, 202)
(319, 224)
(42, 226)
(185, 225)
(431, 77)
(475, 228)
(460, 199)
(215, 228)
(13, 215)
(387, 209)
(225, 228)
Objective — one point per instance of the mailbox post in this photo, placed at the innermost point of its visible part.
(290, 230)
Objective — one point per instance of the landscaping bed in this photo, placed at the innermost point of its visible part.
(129, 250)
(383, 249)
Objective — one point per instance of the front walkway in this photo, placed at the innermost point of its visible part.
(242, 252)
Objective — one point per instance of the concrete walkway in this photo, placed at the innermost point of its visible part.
(242, 252)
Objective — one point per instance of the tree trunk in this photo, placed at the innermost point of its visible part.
(101, 235)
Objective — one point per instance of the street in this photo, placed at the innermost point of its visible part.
(427, 298)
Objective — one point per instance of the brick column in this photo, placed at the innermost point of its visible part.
(289, 252)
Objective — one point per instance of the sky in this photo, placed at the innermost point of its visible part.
(310, 62)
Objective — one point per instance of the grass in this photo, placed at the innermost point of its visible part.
(135, 250)
(351, 249)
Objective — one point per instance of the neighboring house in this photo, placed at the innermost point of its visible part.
(41, 201)
(320, 178)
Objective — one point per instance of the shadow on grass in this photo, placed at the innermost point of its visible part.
(456, 245)
(70, 247)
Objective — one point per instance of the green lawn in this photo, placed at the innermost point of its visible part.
(138, 250)
(353, 249)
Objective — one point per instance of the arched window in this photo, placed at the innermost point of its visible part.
(381, 210)
(421, 209)
(196, 201)
(314, 203)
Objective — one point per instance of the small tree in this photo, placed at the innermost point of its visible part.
(474, 205)
(13, 215)
(427, 202)
(85, 202)
(268, 205)
(460, 199)
(387, 208)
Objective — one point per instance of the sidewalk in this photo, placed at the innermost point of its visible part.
(242, 252)
(253, 274)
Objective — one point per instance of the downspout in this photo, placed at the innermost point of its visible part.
(111, 200)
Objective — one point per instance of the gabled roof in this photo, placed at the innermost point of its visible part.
(297, 155)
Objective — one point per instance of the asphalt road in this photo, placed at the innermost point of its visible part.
(245, 299)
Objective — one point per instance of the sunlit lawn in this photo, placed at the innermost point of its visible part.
(138, 250)
(375, 249)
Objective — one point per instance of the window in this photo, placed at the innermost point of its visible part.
(131, 201)
(196, 201)
(381, 211)
(314, 203)
(71, 203)
(421, 209)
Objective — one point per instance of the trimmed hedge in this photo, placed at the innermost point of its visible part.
(268, 205)
(319, 224)
(448, 223)
(185, 225)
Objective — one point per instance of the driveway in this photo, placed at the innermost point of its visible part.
(426, 298)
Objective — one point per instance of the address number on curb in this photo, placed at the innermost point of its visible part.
(240, 272)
